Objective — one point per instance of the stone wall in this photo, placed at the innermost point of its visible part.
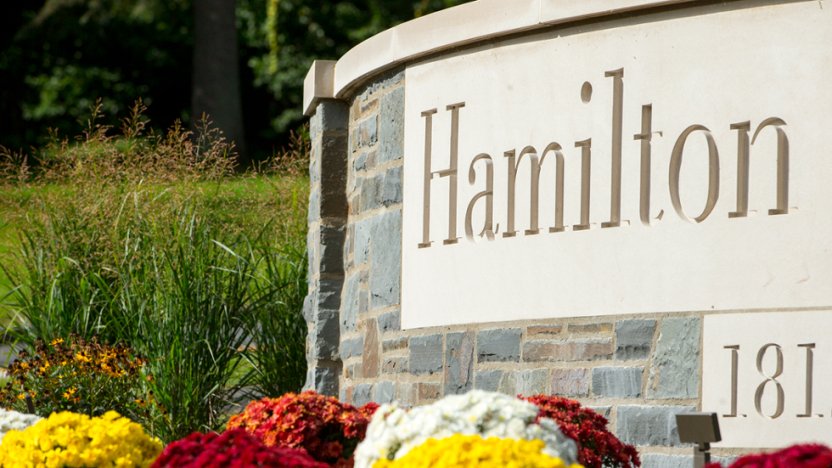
(637, 370)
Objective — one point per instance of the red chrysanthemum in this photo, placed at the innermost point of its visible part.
(597, 446)
(796, 456)
(231, 449)
(323, 426)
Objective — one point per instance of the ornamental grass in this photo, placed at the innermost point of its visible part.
(597, 446)
(74, 440)
(474, 451)
(322, 426)
(232, 449)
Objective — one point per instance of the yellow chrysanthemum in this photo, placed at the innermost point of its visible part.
(70, 439)
(475, 452)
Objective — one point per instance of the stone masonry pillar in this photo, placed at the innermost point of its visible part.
(325, 243)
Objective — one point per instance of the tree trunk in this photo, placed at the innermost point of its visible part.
(216, 79)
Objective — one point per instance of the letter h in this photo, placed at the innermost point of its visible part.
(450, 172)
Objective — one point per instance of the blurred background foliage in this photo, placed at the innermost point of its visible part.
(57, 57)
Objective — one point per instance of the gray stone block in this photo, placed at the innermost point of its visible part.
(459, 361)
(394, 365)
(425, 354)
(508, 383)
(391, 321)
(675, 370)
(384, 392)
(308, 310)
(315, 162)
(488, 380)
(363, 233)
(332, 114)
(363, 301)
(499, 345)
(649, 425)
(333, 183)
(386, 260)
(314, 212)
(619, 382)
(570, 382)
(359, 163)
(349, 246)
(312, 237)
(406, 394)
(386, 81)
(323, 379)
(380, 191)
(352, 347)
(329, 295)
(660, 460)
(391, 134)
(368, 131)
(634, 338)
(349, 299)
(370, 192)
(353, 141)
(391, 188)
(315, 126)
(325, 336)
(362, 394)
(531, 382)
(332, 250)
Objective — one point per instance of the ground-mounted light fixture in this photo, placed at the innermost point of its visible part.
(701, 429)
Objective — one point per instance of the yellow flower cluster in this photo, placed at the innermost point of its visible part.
(75, 440)
(475, 452)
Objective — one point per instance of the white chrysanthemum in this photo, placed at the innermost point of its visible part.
(394, 431)
(14, 421)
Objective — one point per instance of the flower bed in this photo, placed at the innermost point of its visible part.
(308, 430)
(312, 430)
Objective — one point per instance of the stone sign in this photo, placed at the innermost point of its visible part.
(767, 377)
(625, 202)
(675, 163)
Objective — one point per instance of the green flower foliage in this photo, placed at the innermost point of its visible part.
(81, 376)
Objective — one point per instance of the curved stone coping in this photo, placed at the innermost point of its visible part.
(462, 25)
